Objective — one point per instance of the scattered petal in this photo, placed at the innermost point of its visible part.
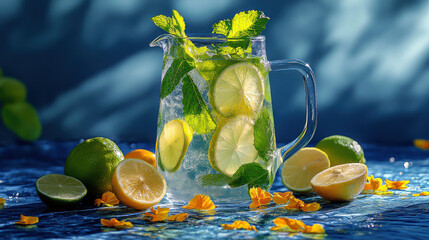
(397, 184)
(160, 214)
(27, 220)
(282, 197)
(178, 217)
(107, 199)
(200, 202)
(239, 225)
(115, 223)
(297, 204)
(259, 197)
(424, 193)
(311, 207)
(292, 225)
(2, 200)
(421, 143)
(376, 186)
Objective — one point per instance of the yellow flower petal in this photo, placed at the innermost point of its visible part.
(178, 217)
(282, 197)
(311, 207)
(108, 199)
(239, 225)
(160, 214)
(292, 225)
(397, 184)
(200, 202)
(27, 220)
(259, 197)
(424, 193)
(2, 200)
(294, 203)
(421, 143)
(114, 223)
(316, 228)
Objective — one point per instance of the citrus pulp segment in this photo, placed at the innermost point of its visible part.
(239, 89)
(58, 191)
(232, 145)
(300, 168)
(137, 184)
(341, 182)
(173, 143)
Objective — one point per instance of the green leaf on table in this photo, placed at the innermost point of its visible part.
(265, 142)
(215, 180)
(179, 68)
(196, 111)
(252, 174)
(174, 25)
(21, 118)
(244, 24)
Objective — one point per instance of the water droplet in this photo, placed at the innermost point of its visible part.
(392, 159)
(406, 164)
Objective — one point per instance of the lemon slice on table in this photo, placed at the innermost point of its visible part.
(173, 143)
(300, 168)
(341, 182)
(239, 89)
(232, 145)
(137, 184)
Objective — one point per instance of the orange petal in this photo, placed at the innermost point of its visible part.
(114, 223)
(294, 203)
(200, 202)
(160, 214)
(27, 220)
(178, 217)
(316, 228)
(421, 143)
(282, 197)
(98, 202)
(424, 193)
(259, 197)
(2, 200)
(311, 207)
(239, 225)
(396, 184)
(368, 186)
(109, 198)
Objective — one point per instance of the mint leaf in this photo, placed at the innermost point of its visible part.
(263, 133)
(196, 111)
(244, 24)
(252, 174)
(179, 67)
(215, 180)
(174, 25)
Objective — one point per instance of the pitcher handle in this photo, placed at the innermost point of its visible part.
(310, 102)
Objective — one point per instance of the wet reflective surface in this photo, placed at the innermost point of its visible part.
(396, 216)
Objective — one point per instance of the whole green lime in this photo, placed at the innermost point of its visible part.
(93, 162)
(341, 149)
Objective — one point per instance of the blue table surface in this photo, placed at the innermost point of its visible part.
(397, 216)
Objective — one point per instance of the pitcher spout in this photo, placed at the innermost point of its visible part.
(161, 41)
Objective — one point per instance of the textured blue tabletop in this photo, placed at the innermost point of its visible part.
(397, 216)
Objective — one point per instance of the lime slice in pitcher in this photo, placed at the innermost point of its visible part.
(173, 144)
(239, 89)
(232, 145)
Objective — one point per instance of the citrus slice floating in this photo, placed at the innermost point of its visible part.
(341, 182)
(173, 143)
(60, 191)
(239, 89)
(300, 168)
(137, 184)
(232, 145)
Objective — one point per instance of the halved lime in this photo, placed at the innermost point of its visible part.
(173, 143)
(300, 168)
(239, 89)
(232, 145)
(60, 191)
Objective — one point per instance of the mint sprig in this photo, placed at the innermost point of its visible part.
(179, 67)
(252, 174)
(263, 133)
(244, 24)
(174, 25)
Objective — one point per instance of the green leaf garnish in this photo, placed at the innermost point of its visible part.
(12, 90)
(215, 180)
(21, 118)
(265, 142)
(174, 25)
(244, 24)
(252, 174)
(179, 68)
(196, 111)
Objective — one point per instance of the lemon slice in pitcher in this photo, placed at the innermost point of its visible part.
(239, 89)
(173, 143)
(232, 145)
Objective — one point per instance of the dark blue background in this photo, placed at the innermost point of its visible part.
(90, 71)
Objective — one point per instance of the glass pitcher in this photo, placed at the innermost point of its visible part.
(215, 131)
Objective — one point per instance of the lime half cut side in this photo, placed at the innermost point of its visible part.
(239, 89)
(173, 144)
(232, 145)
(60, 191)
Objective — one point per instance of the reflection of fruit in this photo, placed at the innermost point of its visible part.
(232, 145)
(12, 90)
(60, 191)
(173, 143)
(22, 119)
(341, 182)
(93, 162)
(300, 168)
(137, 184)
(239, 89)
(144, 155)
(341, 149)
